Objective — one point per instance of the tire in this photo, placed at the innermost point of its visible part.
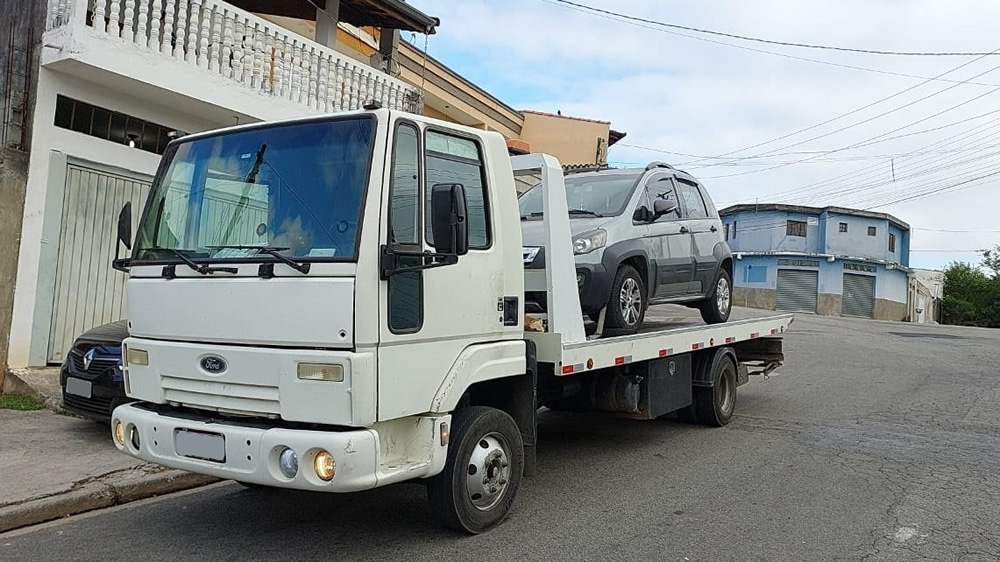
(627, 303)
(717, 307)
(715, 406)
(456, 495)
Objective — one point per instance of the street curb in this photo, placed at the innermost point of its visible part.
(97, 495)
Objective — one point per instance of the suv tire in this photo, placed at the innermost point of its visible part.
(716, 308)
(627, 303)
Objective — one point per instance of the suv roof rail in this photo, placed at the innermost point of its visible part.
(658, 164)
(574, 169)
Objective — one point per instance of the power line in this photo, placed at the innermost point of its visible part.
(776, 53)
(771, 41)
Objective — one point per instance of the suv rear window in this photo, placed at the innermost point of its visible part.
(602, 194)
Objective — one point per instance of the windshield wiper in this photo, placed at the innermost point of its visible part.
(584, 212)
(301, 267)
(200, 268)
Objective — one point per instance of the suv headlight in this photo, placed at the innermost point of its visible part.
(586, 243)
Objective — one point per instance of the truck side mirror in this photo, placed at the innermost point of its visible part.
(125, 225)
(662, 207)
(449, 219)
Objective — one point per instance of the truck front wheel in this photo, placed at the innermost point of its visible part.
(483, 472)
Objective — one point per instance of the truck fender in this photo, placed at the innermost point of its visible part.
(478, 363)
(707, 361)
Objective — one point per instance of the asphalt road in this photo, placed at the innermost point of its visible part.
(876, 441)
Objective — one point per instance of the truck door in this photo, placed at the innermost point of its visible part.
(428, 317)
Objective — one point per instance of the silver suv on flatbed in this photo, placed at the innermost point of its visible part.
(641, 237)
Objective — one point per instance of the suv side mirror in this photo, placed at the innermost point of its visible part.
(662, 207)
(125, 225)
(449, 219)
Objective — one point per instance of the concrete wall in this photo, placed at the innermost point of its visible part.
(28, 20)
(765, 299)
(767, 232)
(51, 146)
(570, 139)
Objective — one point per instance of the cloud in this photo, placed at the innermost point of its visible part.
(684, 95)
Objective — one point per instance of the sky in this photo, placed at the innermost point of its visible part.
(914, 136)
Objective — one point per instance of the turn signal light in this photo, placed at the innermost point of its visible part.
(119, 433)
(324, 466)
(320, 372)
(136, 357)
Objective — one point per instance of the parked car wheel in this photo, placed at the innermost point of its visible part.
(716, 309)
(627, 304)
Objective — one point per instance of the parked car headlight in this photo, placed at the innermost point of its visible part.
(586, 243)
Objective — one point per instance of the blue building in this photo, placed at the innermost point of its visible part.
(832, 261)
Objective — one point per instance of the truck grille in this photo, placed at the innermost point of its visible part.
(222, 396)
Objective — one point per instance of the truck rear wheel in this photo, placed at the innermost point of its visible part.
(483, 472)
(713, 406)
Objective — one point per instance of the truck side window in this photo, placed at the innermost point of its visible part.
(404, 188)
(452, 159)
(405, 291)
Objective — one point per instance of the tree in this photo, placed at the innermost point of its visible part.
(971, 295)
(991, 260)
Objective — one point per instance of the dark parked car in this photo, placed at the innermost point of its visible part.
(91, 376)
(641, 236)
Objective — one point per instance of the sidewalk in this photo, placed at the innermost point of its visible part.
(53, 465)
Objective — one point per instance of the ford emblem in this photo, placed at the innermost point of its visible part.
(213, 364)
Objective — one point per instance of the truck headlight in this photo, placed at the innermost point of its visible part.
(320, 372)
(288, 463)
(324, 466)
(586, 243)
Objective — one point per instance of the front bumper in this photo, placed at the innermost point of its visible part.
(251, 453)
(594, 290)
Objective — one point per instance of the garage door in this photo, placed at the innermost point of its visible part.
(88, 292)
(797, 290)
(859, 295)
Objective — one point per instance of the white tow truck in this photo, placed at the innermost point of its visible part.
(336, 303)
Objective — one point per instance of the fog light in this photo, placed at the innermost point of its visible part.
(324, 466)
(119, 431)
(320, 372)
(133, 437)
(288, 463)
(136, 357)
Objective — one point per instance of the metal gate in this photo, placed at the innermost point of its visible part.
(859, 295)
(797, 290)
(88, 292)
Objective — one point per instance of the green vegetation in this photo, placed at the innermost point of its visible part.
(972, 294)
(21, 402)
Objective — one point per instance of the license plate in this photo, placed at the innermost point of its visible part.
(78, 387)
(200, 445)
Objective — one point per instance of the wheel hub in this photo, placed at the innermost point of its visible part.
(722, 295)
(630, 300)
(488, 471)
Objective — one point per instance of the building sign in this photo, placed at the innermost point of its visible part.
(798, 263)
(860, 267)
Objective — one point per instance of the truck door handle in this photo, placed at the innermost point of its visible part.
(684, 230)
(714, 229)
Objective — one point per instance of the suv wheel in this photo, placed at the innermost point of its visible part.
(627, 305)
(716, 309)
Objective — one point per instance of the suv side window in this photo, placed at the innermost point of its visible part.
(692, 200)
(662, 187)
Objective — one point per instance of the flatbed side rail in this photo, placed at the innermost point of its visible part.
(610, 352)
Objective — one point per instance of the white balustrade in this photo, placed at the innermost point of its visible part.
(238, 46)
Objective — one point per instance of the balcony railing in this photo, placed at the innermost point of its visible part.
(252, 52)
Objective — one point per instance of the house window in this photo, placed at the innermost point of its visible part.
(843, 227)
(110, 125)
(727, 231)
(872, 231)
(734, 230)
(892, 242)
(796, 228)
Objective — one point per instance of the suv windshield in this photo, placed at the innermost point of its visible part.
(295, 188)
(591, 195)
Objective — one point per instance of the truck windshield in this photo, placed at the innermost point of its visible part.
(593, 195)
(296, 189)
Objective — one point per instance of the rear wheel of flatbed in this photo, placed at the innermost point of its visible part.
(483, 472)
(714, 406)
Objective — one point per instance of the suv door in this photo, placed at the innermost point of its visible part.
(704, 235)
(667, 241)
